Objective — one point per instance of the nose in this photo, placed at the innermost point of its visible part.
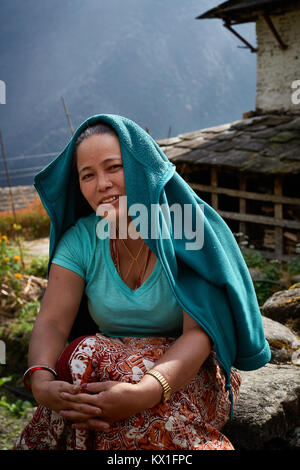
(103, 182)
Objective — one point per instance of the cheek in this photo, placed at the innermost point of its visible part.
(87, 189)
(121, 181)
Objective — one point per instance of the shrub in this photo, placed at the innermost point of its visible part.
(10, 261)
(38, 266)
(33, 222)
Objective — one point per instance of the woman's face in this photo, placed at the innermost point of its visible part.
(100, 170)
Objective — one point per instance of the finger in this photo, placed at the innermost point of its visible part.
(77, 415)
(68, 388)
(96, 425)
(95, 387)
(79, 398)
(83, 408)
(72, 415)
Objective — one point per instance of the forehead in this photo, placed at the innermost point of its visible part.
(98, 147)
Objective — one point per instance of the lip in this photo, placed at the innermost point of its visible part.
(110, 202)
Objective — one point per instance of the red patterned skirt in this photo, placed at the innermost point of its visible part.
(190, 420)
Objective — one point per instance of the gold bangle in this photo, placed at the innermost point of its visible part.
(165, 386)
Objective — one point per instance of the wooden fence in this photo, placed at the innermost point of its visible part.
(276, 228)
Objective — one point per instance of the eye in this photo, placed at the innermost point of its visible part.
(86, 176)
(115, 167)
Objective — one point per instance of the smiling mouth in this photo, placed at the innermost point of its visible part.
(109, 200)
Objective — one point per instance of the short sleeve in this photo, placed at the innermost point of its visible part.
(69, 254)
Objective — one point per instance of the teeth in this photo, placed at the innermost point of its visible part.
(109, 199)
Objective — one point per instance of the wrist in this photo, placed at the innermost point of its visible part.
(39, 378)
(150, 390)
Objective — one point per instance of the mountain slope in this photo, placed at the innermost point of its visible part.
(148, 60)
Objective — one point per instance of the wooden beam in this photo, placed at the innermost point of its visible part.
(229, 27)
(242, 224)
(260, 219)
(270, 255)
(274, 31)
(278, 213)
(214, 184)
(246, 194)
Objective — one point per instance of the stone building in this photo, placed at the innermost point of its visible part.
(249, 170)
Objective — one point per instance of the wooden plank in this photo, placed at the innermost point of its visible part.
(214, 184)
(242, 224)
(246, 194)
(260, 219)
(271, 255)
(278, 215)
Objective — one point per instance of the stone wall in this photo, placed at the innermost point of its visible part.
(278, 68)
(22, 197)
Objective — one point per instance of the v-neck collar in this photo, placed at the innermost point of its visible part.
(144, 286)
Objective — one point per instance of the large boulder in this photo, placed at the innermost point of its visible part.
(267, 413)
(283, 305)
(283, 342)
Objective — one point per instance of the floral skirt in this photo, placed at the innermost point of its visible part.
(190, 420)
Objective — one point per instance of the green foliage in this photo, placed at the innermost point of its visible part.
(33, 222)
(3, 380)
(294, 266)
(10, 261)
(38, 266)
(253, 258)
(274, 275)
(16, 335)
(22, 325)
(16, 408)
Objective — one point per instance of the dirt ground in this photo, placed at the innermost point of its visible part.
(39, 247)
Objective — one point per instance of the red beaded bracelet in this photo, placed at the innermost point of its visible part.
(32, 369)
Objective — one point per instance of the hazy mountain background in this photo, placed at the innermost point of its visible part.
(149, 60)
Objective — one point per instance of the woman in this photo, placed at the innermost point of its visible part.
(173, 319)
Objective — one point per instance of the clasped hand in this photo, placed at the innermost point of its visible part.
(100, 404)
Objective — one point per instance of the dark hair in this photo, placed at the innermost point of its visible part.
(101, 128)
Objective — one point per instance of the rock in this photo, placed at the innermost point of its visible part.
(283, 304)
(268, 408)
(275, 331)
(296, 358)
(284, 344)
(294, 439)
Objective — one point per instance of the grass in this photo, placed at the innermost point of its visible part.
(14, 415)
(10, 428)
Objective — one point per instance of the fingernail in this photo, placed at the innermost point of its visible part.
(83, 387)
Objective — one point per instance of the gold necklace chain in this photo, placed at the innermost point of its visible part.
(134, 259)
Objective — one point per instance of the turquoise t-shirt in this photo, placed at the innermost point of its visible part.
(150, 310)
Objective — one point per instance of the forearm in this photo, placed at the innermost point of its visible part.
(118, 400)
(46, 344)
(179, 364)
